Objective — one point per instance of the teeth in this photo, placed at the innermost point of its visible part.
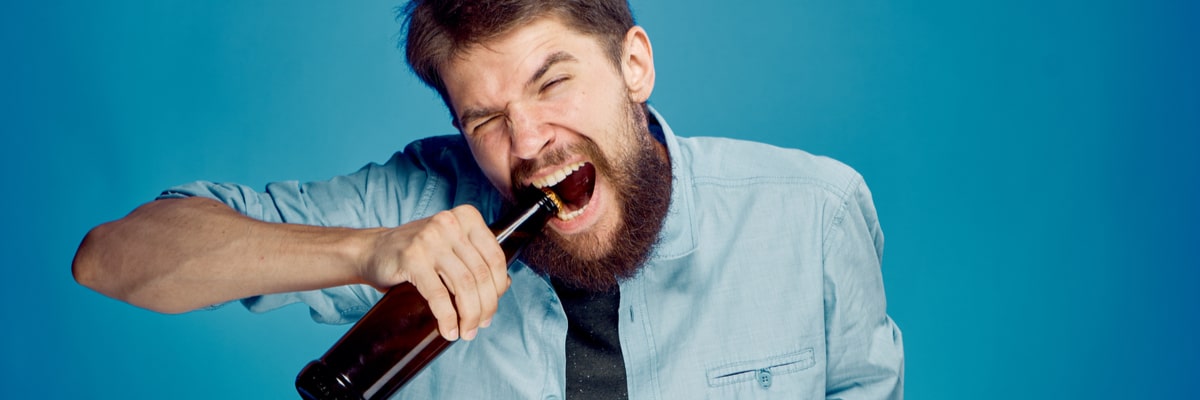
(555, 177)
(565, 216)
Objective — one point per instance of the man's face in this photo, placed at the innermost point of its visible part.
(538, 103)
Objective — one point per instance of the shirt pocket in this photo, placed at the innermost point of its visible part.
(761, 371)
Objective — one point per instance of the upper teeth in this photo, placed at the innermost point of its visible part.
(555, 177)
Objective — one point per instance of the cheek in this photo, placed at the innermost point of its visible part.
(578, 103)
(567, 109)
(492, 159)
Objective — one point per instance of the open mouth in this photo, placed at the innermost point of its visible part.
(574, 185)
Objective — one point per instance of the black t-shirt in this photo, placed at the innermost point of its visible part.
(595, 367)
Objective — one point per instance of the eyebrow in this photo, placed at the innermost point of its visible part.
(555, 58)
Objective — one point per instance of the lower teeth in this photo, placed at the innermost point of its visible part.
(567, 216)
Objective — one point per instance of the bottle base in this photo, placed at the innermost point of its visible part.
(318, 382)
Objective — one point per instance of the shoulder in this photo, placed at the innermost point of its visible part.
(445, 152)
(447, 157)
(444, 173)
(805, 189)
(734, 162)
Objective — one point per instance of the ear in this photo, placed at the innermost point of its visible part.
(637, 64)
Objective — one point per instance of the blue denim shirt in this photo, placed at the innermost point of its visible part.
(766, 282)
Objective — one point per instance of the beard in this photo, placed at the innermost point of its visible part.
(641, 178)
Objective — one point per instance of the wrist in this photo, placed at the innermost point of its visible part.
(359, 248)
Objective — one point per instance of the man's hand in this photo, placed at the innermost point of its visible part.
(452, 253)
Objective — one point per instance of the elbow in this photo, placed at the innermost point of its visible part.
(163, 308)
(86, 268)
(97, 266)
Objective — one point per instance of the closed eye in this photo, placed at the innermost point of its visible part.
(552, 83)
(483, 122)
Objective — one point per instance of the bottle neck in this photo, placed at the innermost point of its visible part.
(520, 225)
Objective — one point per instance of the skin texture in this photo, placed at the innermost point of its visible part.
(177, 255)
(567, 96)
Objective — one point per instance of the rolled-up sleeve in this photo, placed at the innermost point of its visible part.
(376, 195)
(865, 349)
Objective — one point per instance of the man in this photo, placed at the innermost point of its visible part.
(696, 268)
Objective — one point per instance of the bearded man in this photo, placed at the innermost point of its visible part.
(689, 268)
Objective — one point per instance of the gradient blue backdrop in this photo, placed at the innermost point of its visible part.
(1032, 161)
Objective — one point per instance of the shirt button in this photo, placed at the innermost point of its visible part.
(764, 378)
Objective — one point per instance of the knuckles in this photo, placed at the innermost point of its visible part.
(444, 219)
(462, 275)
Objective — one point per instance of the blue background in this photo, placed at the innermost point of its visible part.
(1032, 163)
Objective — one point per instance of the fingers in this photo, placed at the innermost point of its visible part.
(486, 261)
(485, 267)
(438, 298)
(456, 264)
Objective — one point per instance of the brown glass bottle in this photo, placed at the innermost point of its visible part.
(398, 336)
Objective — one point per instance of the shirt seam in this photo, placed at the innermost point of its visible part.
(771, 180)
(834, 223)
(650, 343)
(432, 185)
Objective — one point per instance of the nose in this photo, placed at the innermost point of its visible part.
(529, 134)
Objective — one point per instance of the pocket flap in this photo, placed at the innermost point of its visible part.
(748, 370)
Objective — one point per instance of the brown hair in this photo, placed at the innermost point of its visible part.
(438, 30)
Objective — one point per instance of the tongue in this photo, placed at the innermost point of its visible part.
(576, 189)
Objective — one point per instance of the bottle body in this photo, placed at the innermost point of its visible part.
(394, 340)
(386, 348)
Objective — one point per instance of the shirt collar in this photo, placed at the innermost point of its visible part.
(677, 238)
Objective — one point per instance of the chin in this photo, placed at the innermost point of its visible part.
(588, 245)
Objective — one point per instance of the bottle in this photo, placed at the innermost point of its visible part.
(398, 336)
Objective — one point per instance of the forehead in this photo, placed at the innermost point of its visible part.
(512, 57)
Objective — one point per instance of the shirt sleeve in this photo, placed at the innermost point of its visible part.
(376, 195)
(865, 358)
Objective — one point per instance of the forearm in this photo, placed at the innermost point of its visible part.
(177, 255)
